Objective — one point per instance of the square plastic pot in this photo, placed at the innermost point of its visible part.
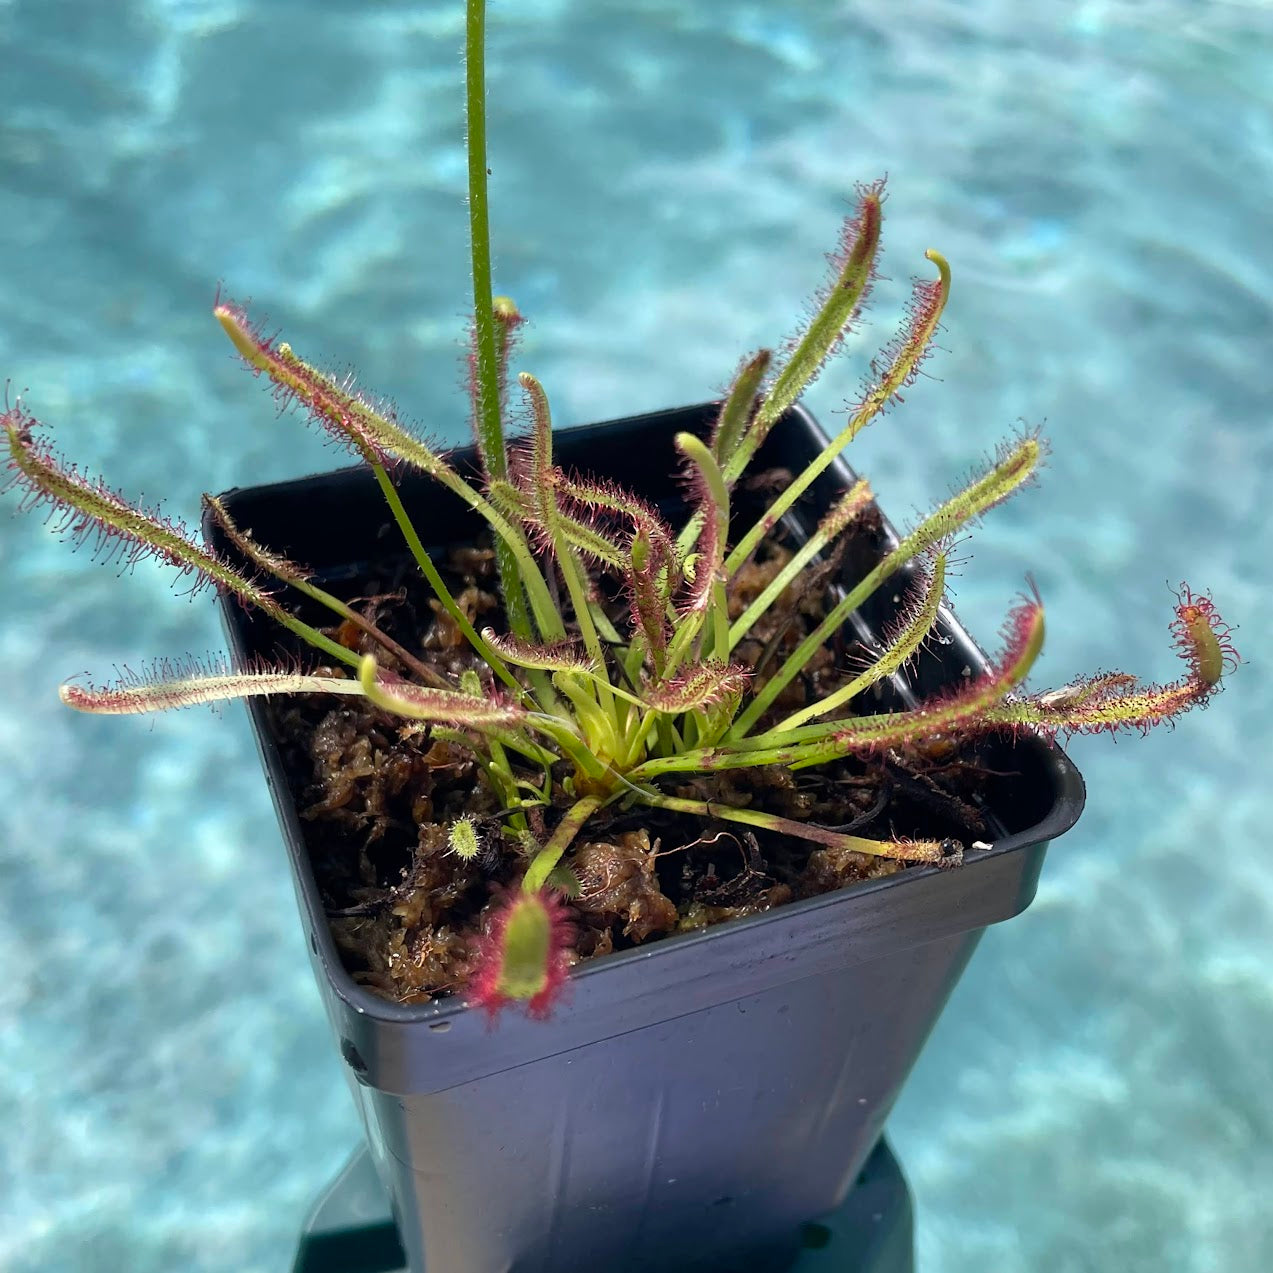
(694, 1100)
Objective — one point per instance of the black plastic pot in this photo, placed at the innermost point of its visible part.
(695, 1100)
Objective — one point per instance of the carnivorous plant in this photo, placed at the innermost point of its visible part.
(570, 712)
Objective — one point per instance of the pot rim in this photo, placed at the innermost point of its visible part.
(1066, 807)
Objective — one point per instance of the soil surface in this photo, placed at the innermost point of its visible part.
(378, 795)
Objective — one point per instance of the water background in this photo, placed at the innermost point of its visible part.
(666, 176)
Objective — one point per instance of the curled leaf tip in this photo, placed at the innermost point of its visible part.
(1202, 637)
(943, 266)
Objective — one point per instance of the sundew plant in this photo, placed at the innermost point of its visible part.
(569, 711)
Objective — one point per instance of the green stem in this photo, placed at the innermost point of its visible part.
(567, 562)
(383, 639)
(914, 851)
(490, 432)
(972, 707)
(828, 529)
(912, 636)
(1016, 467)
(716, 611)
(563, 733)
(601, 731)
(516, 608)
(318, 640)
(566, 830)
(531, 751)
(486, 373)
(441, 591)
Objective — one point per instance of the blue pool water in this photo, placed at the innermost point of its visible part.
(666, 174)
